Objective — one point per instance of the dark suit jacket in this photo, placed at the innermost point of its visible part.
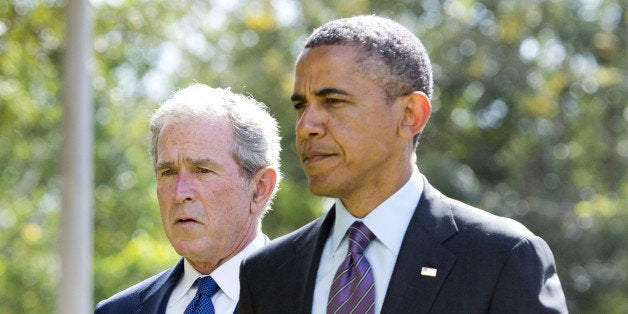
(148, 296)
(485, 264)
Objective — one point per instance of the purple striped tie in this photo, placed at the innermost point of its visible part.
(353, 288)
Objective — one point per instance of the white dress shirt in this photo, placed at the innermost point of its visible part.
(226, 276)
(388, 221)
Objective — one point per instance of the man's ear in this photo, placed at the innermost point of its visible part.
(263, 184)
(417, 109)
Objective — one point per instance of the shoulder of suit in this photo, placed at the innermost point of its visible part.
(482, 225)
(127, 297)
(286, 244)
(299, 233)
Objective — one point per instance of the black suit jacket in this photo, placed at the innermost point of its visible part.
(485, 264)
(148, 296)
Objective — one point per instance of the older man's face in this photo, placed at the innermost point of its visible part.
(204, 199)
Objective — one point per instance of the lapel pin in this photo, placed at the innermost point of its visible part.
(428, 271)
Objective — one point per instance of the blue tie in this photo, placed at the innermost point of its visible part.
(202, 302)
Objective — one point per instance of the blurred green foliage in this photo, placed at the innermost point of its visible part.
(529, 122)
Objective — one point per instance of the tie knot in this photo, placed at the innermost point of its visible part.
(359, 237)
(207, 285)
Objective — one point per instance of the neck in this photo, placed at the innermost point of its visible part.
(246, 237)
(361, 203)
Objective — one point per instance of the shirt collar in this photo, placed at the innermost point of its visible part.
(226, 275)
(393, 214)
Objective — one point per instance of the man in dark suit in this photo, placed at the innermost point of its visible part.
(391, 243)
(216, 161)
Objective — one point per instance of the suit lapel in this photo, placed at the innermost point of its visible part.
(308, 249)
(431, 224)
(154, 298)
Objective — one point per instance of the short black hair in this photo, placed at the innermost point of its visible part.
(393, 55)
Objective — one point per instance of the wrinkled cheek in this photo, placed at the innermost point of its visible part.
(164, 212)
(161, 200)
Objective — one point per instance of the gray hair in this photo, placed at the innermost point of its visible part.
(256, 143)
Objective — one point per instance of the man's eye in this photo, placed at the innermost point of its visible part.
(203, 170)
(168, 172)
(299, 105)
(333, 100)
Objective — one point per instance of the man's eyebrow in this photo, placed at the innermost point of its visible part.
(201, 162)
(321, 93)
(191, 161)
(330, 91)
(164, 165)
(296, 97)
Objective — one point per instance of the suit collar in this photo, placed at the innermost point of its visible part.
(431, 225)
(317, 234)
(155, 297)
(435, 215)
(308, 246)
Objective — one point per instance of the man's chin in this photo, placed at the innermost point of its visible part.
(320, 187)
(188, 244)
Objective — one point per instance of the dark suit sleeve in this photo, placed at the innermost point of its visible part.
(528, 283)
(127, 301)
(107, 307)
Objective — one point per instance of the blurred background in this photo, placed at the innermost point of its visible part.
(529, 122)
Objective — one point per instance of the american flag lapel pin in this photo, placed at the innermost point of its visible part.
(428, 271)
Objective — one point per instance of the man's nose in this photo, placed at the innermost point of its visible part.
(184, 188)
(311, 123)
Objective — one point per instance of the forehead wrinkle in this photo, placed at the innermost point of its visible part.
(201, 161)
(188, 160)
(318, 65)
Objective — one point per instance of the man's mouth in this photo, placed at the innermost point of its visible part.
(186, 220)
(314, 155)
(315, 158)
